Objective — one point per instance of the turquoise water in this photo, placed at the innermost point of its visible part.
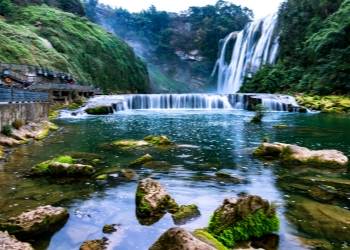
(203, 143)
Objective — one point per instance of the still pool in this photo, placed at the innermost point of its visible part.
(204, 142)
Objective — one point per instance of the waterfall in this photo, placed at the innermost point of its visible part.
(191, 101)
(253, 46)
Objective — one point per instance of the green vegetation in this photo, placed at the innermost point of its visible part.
(7, 130)
(314, 50)
(254, 225)
(17, 123)
(71, 44)
(326, 104)
(260, 112)
(157, 140)
(158, 35)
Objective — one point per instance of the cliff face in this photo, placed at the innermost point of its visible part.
(53, 39)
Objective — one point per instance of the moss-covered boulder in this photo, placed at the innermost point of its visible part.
(99, 110)
(151, 198)
(179, 238)
(34, 223)
(237, 220)
(43, 130)
(185, 214)
(141, 160)
(63, 165)
(301, 155)
(9, 242)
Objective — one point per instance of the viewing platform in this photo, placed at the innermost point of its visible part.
(24, 83)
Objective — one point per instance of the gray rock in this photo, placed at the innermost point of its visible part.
(42, 220)
(295, 154)
(179, 239)
(151, 198)
(8, 242)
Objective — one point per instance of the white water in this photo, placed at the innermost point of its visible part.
(186, 101)
(253, 46)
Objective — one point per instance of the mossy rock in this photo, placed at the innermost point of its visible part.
(185, 214)
(203, 235)
(141, 160)
(130, 143)
(157, 140)
(63, 165)
(240, 219)
(99, 110)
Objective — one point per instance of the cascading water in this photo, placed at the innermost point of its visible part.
(253, 46)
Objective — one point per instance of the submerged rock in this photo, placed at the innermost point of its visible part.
(95, 244)
(151, 198)
(108, 229)
(150, 140)
(237, 220)
(185, 214)
(8, 242)
(62, 165)
(31, 224)
(141, 160)
(179, 239)
(295, 154)
(320, 220)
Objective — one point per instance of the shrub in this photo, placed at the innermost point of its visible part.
(260, 112)
(18, 123)
(7, 130)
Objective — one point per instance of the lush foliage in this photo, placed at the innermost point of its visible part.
(7, 130)
(75, 45)
(254, 225)
(72, 6)
(314, 50)
(158, 35)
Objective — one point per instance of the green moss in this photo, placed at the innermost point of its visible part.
(96, 160)
(186, 212)
(255, 225)
(280, 126)
(223, 174)
(101, 177)
(209, 239)
(141, 160)
(43, 167)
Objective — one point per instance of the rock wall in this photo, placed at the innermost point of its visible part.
(28, 112)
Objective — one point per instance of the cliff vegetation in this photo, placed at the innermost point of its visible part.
(48, 37)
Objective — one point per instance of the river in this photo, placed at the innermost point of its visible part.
(204, 141)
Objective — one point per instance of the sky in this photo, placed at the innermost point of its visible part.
(260, 8)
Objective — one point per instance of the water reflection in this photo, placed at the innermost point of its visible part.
(204, 142)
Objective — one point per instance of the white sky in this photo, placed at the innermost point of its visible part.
(260, 8)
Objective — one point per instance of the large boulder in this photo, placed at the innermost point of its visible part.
(239, 219)
(31, 224)
(179, 239)
(151, 198)
(9, 242)
(300, 155)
